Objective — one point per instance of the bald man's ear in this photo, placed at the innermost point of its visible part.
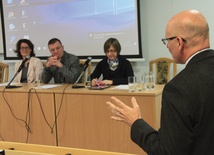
(180, 44)
(179, 40)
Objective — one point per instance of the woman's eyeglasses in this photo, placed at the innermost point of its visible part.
(25, 48)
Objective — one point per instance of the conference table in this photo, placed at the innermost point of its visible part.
(77, 118)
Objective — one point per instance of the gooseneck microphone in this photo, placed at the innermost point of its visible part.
(19, 69)
(23, 63)
(84, 67)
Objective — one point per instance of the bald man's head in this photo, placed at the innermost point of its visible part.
(190, 32)
(190, 25)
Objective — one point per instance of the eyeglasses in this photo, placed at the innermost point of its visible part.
(25, 48)
(111, 51)
(165, 40)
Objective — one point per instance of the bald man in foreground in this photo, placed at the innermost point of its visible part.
(187, 114)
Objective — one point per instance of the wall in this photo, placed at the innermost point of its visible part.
(154, 16)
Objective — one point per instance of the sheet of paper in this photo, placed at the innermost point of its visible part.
(126, 87)
(47, 86)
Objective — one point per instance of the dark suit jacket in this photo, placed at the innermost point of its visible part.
(187, 115)
(68, 73)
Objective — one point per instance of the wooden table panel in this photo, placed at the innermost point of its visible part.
(14, 124)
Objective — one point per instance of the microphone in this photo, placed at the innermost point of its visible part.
(23, 63)
(84, 67)
(19, 69)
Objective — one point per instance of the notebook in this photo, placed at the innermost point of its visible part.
(99, 87)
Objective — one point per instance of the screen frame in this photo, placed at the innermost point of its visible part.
(135, 57)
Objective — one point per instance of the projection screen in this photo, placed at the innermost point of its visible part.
(82, 25)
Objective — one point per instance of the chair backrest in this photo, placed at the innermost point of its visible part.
(4, 72)
(44, 63)
(87, 72)
(163, 69)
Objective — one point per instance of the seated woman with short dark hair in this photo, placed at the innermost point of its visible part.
(114, 68)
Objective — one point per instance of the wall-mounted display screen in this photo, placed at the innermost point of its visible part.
(82, 25)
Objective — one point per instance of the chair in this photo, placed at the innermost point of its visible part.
(88, 70)
(163, 69)
(4, 72)
(44, 63)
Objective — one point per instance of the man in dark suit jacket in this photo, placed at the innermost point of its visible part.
(187, 114)
(62, 66)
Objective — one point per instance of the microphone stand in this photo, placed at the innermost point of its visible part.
(19, 69)
(75, 84)
(9, 86)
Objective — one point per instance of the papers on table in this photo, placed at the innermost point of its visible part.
(47, 86)
(124, 87)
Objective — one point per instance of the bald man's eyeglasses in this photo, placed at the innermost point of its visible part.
(165, 40)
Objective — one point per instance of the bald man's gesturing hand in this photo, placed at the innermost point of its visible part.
(124, 113)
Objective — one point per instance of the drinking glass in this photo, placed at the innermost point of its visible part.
(132, 83)
(140, 83)
(149, 81)
(37, 83)
(88, 82)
